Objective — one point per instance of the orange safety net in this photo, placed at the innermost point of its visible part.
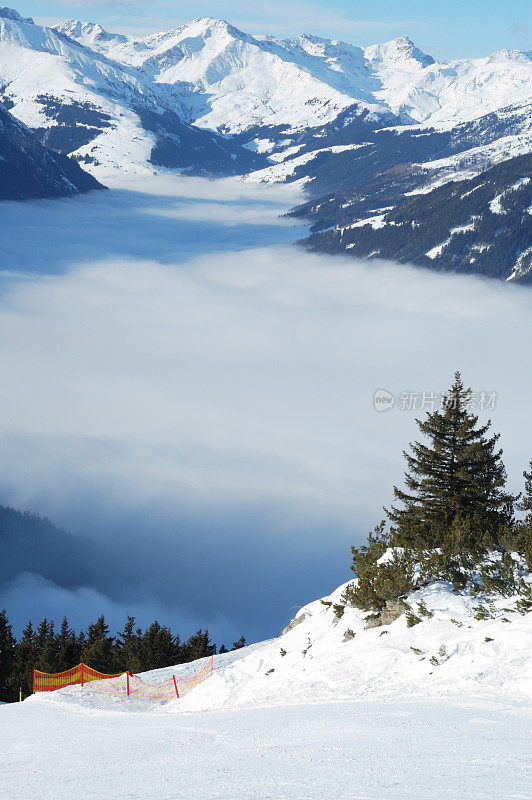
(124, 683)
(50, 681)
(169, 689)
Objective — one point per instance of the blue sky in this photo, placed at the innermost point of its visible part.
(454, 28)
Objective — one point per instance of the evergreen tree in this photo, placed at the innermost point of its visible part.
(198, 645)
(24, 662)
(81, 641)
(377, 584)
(99, 651)
(457, 475)
(48, 657)
(68, 653)
(129, 647)
(7, 654)
(521, 538)
(241, 643)
(526, 501)
(159, 648)
(41, 638)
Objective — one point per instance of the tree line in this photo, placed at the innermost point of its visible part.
(452, 520)
(51, 649)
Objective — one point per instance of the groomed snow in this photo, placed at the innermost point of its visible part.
(339, 751)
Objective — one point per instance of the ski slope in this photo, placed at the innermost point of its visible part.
(346, 751)
(310, 714)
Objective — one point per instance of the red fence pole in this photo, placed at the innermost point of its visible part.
(82, 675)
(33, 681)
(127, 683)
(175, 684)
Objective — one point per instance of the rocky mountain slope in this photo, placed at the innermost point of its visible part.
(30, 170)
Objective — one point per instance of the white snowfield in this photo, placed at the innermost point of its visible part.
(311, 714)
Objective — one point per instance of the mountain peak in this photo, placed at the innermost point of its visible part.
(398, 50)
(215, 25)
(87, 32)
(11, 13)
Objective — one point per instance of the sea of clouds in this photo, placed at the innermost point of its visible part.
(189, 391)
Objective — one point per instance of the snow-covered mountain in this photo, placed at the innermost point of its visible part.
(275, 96)
(381, 123)
(30, 170)
(237, 81)
(107, 115)
(386, 121)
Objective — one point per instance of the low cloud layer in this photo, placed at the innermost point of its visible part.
(83, 605)
(210, 420)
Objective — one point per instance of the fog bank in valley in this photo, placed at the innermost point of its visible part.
(195, 395)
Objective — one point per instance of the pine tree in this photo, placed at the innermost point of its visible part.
(377, 584)
(457, 475)
(68, 653)
(129, 647)
(99, 651)
(198, 645)
(48, 657)
(24, 662)
(41, 639)
(159, 648)
(81, 641)
(7, 655)
(521, 538)
(526, 501)
(241, 643)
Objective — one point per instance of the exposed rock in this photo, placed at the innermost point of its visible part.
(294, 622)
(392, 610)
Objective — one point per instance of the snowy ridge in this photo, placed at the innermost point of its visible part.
(238, 81)
(263, 90)
(471, 223)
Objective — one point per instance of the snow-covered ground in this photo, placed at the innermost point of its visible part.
(441, 709)
(346, 751)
